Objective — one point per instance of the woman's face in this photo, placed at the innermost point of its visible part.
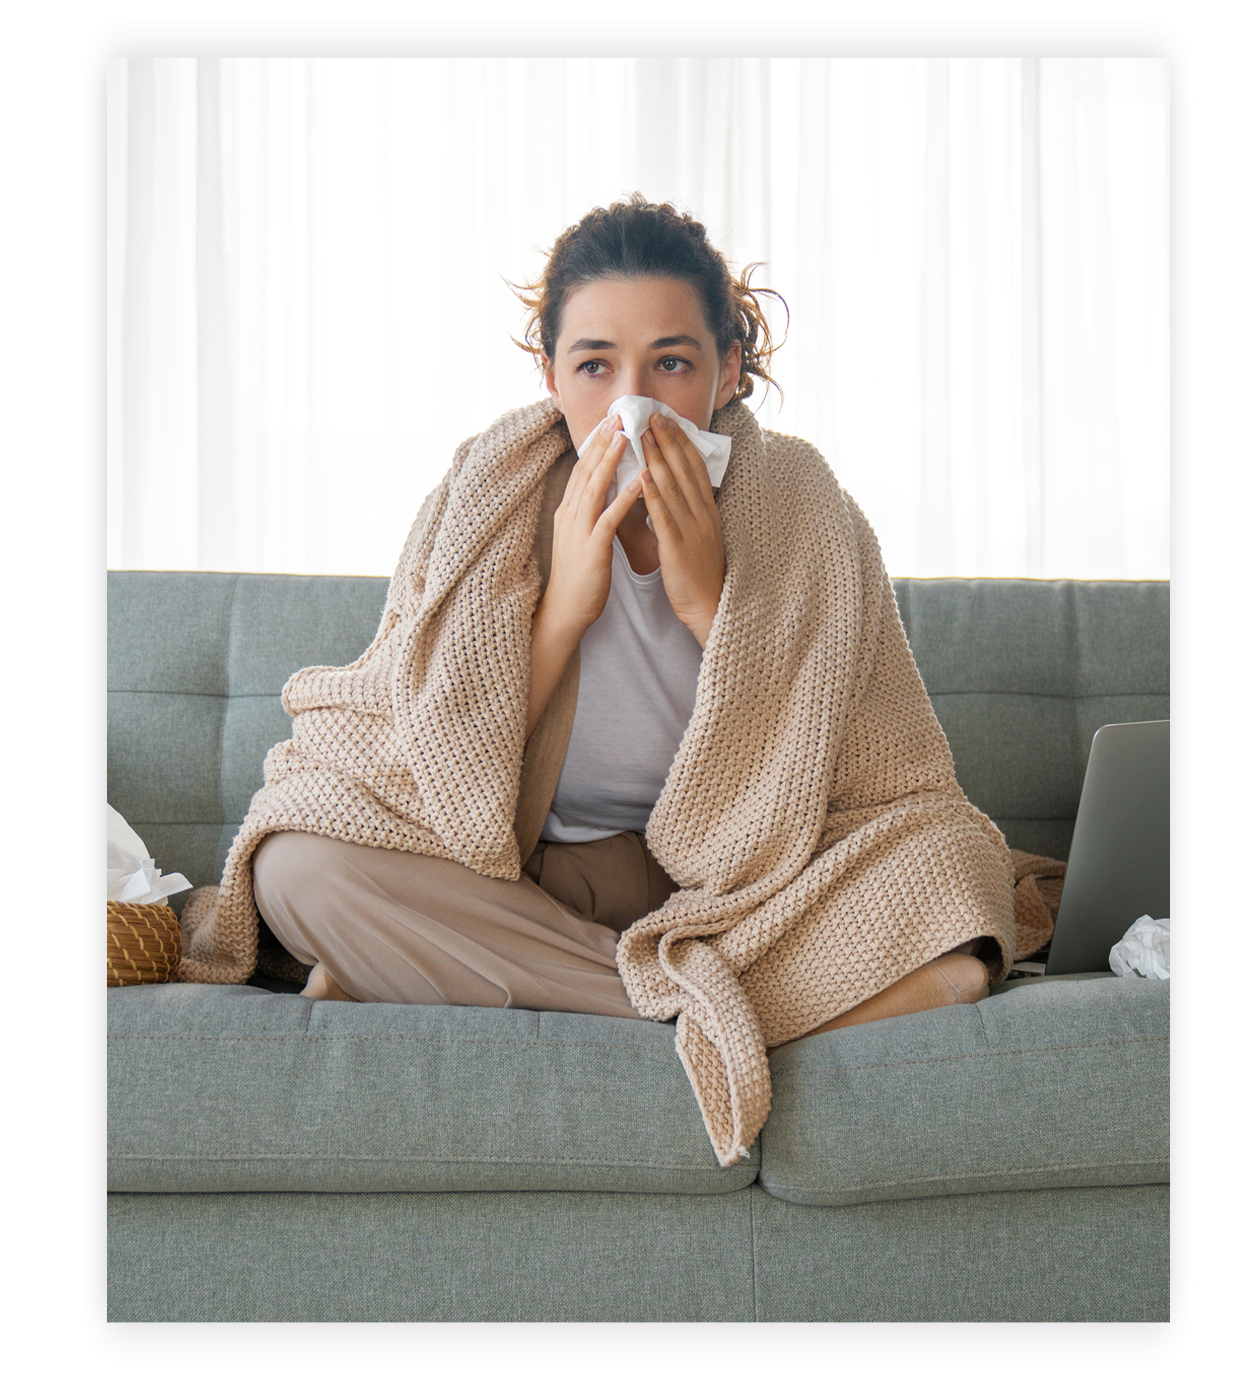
(646, 336)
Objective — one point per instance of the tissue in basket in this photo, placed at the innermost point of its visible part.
(144, 939)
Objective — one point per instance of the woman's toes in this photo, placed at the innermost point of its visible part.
(321, 986)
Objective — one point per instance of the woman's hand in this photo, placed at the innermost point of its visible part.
(582, 563)
(583, 533)
(680, 502)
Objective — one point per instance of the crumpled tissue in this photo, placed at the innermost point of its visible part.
(635, 411)
(1144, 951)
(133, 874)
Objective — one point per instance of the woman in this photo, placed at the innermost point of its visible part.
(563, 670)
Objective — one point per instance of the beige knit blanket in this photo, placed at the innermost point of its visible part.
(811, 815)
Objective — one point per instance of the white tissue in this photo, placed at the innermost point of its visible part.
(132, 874)
(635, 410)
(1144, 951)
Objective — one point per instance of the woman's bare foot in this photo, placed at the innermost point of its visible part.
(952, 979)
(321, 986)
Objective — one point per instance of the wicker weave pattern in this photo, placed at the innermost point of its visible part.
(145, 943)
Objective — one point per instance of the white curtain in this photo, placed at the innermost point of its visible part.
(308, 310)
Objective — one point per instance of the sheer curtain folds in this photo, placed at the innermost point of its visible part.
(307, 300)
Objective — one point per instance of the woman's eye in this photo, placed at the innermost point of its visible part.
(672, 362)
(590, 367)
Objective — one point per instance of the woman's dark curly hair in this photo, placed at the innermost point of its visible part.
(637, 239)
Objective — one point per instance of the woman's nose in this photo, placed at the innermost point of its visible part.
(631, 381)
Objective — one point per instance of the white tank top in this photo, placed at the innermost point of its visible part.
(638, 669)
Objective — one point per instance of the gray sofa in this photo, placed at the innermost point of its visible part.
(275, 1159)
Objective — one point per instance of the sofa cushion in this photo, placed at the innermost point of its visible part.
(1048, 1085)
(240, 1089)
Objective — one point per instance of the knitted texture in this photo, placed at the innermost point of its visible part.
(417, 745)
(1038, 893)
(811, 815)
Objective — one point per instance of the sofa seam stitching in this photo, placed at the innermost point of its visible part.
(594, 1045)
(977, 1055)
(297, 1039)
(1054, 695)
(211, 694)
(753, 1247)
(432, 1161)
(230, 631)
(1005, 1171)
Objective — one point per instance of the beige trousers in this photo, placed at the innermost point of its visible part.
(396, 927)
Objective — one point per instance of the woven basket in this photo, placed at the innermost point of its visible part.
(145, 943)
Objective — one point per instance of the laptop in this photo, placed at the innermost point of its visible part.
(1120, 862)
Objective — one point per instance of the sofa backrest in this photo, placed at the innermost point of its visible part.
(1021, 672)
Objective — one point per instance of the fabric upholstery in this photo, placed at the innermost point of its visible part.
(1091, 1255)
(1022, 672)
(336, 1096)
(474, 1256)
(1011, 1094)
(196, 663)
(1095, 1254)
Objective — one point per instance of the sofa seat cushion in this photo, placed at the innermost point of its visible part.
(240, 1089)
(1048, 1085)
